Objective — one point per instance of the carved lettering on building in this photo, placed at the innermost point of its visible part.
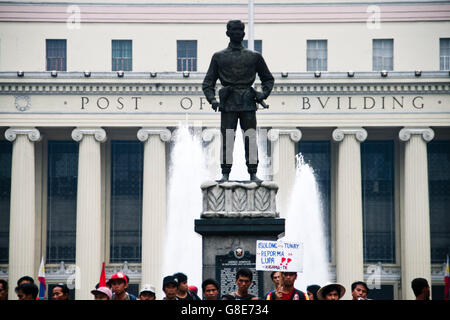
(361, 103)
(323, 104)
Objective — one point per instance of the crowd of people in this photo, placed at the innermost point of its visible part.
(175, 287)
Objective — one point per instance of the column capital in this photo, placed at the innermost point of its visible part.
(208, 134)
(339, 133)
(98, 133)
(32, 133)
(294, 133)
(144, 133)
(405, 133)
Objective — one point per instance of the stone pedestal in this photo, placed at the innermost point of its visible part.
(235, 215)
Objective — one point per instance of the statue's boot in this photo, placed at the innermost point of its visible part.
(225, 177)
(253, 177)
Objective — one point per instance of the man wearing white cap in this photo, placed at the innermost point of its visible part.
(147, 293)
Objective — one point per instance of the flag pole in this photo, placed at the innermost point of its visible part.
(251, 15)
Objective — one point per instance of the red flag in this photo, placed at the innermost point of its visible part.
(102, 277)
(447, 281)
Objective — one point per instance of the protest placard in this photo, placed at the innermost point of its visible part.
(279, 255)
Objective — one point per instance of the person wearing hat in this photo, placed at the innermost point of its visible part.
(147, 293)
(193, 289)
(183, 292)
(334, 291)
(119, 285)
(102, 293)
(170, 287)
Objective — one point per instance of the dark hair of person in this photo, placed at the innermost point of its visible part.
(181, 277)
(28, 288)
(244, 273)
(5, 283)
(272, 274)
(329, 289)
(64, 287)
(418, 285)
(362, 283)
(208, 282)
(25, 278)
(314, 288)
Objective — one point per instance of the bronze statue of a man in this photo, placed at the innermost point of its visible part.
(236, 68)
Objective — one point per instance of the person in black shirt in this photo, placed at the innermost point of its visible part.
(183, 292)
(244, 278)
(236, 68)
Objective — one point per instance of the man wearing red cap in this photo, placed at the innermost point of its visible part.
(119, 285)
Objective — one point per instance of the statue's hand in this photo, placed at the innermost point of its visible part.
(259, 96)
(215, 105)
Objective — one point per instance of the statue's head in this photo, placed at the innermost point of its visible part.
(235, 30)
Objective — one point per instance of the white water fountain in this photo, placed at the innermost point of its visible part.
(187, 171)
(183, 247)
(305, 223)
(239, 168)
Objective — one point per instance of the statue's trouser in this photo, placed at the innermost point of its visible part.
(228, 125)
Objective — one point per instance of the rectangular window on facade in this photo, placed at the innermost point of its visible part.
(126, 201)
(56, 54)
(316, 55)
(317, 154)
(5, 193)
(383, 54)
(444, 54)
(257, 44)
(186, 55)
(122, 55)
(439, 198)
(62, 201)
(377, 169)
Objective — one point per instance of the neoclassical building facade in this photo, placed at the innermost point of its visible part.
(90, 94)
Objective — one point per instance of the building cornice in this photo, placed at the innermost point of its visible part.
(107, 12)
(188, 76)
(71, 83)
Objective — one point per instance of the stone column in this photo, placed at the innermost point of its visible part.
(89, 241)
(22, 240)
(283, 163)
(349, 225)
(415, 218)
(153, 204)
